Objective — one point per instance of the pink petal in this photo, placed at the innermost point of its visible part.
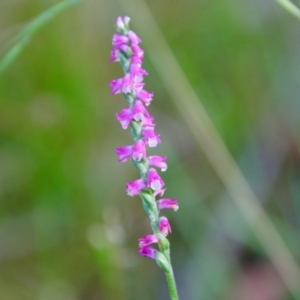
(119, 39)
(136, 70)
(116, 85)
(147, 240)
(124, 153)
(127, 84)
(139, 111)
(158, 161)
(139, 52)
(147, 122)
(133, 37)
(168, 204)
(139, 150)
(114, 55)
(145, 96)
(159, 192)
(135, 59)
(154, 181)
(125, 117)
(164, 226)
(134, 187)
(151, 137)
(147, 251)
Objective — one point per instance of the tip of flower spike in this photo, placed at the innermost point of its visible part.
(126, 20)
(122, 24)
(119, 23)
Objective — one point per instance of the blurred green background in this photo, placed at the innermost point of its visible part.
(68, 230)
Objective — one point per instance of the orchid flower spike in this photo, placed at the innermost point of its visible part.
(127, 51)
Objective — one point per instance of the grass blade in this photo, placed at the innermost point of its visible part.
(23, 37)
(290, 7)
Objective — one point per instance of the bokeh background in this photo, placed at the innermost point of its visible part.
(68, 231)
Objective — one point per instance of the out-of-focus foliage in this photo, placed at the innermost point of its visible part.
(67, 228)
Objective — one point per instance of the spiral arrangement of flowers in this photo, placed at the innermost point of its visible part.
(150, 185)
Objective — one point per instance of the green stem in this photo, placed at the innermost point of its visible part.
(171, 282)
(290, 7)
(154, 218)
(148, 199)
(23, 37)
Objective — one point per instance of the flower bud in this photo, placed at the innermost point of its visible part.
(122, 24)
(164, 226)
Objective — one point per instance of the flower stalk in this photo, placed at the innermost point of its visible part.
(150, 185)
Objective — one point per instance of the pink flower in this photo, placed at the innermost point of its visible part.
(159, 192)
(147, 240)
(164, 226)
(133, 37)
(125, 117)
(139, 111)
(127, 84)
(119, 39)
(124, 153)
(135, 59)
(147, 122)
(151, 137)
(136, 70)
(116, 85)
(158, 161)
(147, 251)
(168, 204)
(154, 181)
(136, 50)
(114, 55)
(139, 150)
(132, 83)
(145, 96)
(134, 187)
(125, 49)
